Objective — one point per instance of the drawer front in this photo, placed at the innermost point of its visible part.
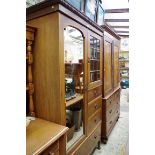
(91, 142)
(52, 150)
(94, 93)
(111, 122)
(94, 120)
(94, 106)
(110, 111)
(110, 101)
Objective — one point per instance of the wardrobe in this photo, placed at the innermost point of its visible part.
(111, 82)
(67, 75)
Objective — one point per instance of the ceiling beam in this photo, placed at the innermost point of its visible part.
(123, 10)
(116, 20)
(122, 31)
(119, 26)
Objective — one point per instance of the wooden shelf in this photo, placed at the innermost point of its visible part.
(94, 71)
(123, 60)
(75, 100)
(124, 76)
(124, 68)
(124, 51)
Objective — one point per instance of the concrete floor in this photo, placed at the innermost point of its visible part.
(118, 140)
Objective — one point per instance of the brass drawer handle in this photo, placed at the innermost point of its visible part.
(95, 93)
(95, 136)
(110, 111)
(95, 120)
(96, 106)
(110, 101)
(110, 122)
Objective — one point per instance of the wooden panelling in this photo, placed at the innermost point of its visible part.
(107, 67)
(116, 66)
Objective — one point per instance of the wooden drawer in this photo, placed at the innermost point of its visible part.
(110, 101)
(110, 111)
(94, 105)
(52, 150)
(94, 120)
(91, 142)
(112, 121)
(94, 93)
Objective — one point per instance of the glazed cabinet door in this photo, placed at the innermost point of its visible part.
(94, 60)
(108, 81)
(116, 66)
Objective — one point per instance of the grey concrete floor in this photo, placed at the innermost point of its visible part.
(118, 140)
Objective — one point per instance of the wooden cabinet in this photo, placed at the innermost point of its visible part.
(58, 23)
(108, 64)
(45, 138)
(111, 82)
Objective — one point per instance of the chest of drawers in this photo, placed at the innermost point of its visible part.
(110, 113)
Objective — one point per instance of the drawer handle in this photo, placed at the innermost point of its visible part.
(95, 120)
(51, 153)
(110, 111)
(117, 111)
(110, 101)
(95, 93)
(95, 136)
(96, 106)
(110, 122)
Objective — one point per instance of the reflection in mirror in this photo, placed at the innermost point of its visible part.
(73, 59)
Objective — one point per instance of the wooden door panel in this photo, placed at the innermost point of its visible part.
(107, 67)
(116, 66)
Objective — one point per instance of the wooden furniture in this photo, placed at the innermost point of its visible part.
(42, 137)
(111, 82)
(29, 79)
(51, 18)
(45, 138)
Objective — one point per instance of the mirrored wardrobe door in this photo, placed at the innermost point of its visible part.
(74, 83)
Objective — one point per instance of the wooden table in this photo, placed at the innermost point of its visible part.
(78, 98)
(40, 134)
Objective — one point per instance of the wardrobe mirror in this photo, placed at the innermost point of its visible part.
(74, 83)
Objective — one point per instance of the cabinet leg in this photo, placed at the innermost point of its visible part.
(99, 145)
(117, 119)
(104, 140)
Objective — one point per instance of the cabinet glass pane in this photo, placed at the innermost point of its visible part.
(73, 61)
(100, 20)
(94, 59)
(77, 3)
(91, 9)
